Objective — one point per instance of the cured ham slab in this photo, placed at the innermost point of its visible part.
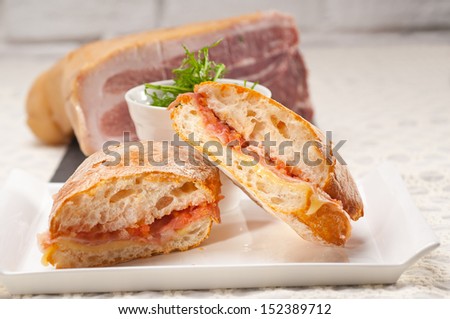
(84, 91)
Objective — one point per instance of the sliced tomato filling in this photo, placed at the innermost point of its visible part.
(162, 227)
(220, 129)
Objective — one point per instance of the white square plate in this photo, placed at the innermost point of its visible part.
(248, 249)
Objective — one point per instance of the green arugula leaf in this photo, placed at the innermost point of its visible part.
(194, 69)
(254, 85)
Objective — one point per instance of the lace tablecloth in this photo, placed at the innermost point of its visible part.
(389, 102)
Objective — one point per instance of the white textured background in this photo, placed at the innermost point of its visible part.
(379, 78)
(25, 21)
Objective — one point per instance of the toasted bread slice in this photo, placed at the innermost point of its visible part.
(83, 92)
(315, 195)
(132, 202)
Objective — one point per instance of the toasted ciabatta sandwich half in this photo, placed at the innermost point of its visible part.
(296, 178)
(132, 202)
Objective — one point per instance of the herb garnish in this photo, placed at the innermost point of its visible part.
(194, 69)
(253, 86)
